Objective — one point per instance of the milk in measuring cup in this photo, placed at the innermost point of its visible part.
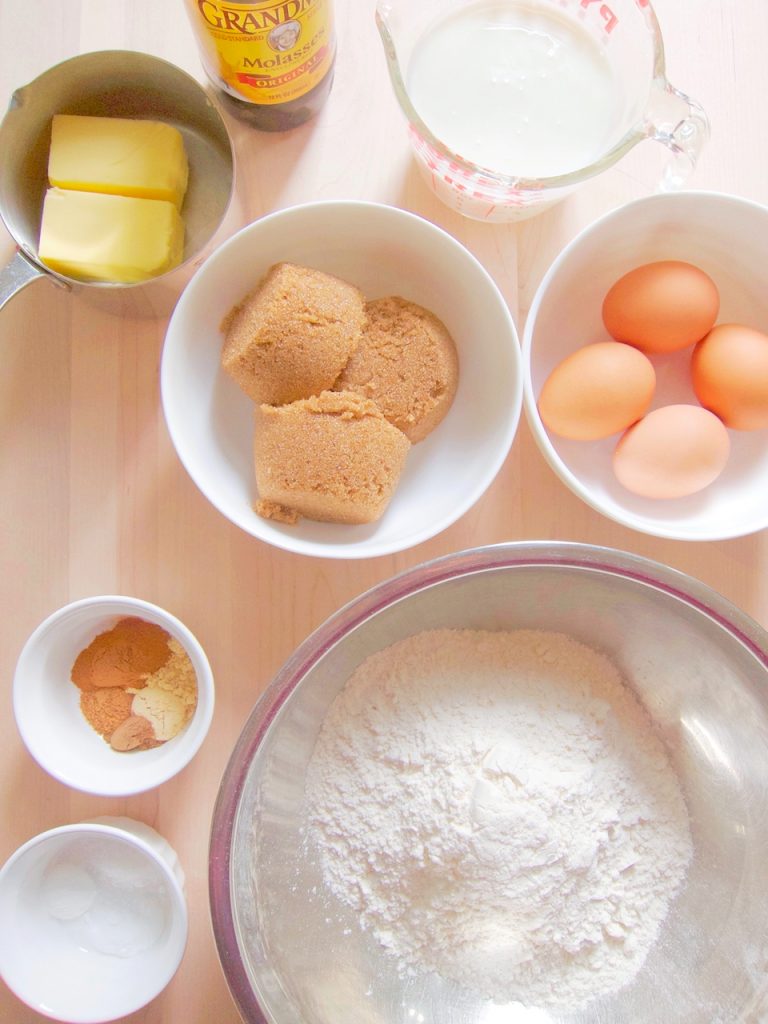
(516, 88)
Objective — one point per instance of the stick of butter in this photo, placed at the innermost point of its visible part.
(120, 156)
(96, 237)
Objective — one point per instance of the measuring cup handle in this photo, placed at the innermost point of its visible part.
(681, 125)
(18, 274)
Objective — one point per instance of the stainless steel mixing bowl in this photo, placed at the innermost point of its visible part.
(700, 666)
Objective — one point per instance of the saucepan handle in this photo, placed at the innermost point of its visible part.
(20, 272)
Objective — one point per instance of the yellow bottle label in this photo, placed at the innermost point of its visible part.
(265, 52)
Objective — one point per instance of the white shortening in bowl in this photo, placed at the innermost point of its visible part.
(94, 919)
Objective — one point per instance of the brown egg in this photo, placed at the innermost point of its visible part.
(729, 370)
(672, 452)
(596, 391)
(661, 307)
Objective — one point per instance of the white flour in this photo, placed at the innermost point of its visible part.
(498, 809)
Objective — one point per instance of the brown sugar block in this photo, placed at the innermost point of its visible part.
(278, 513)
(332, 457)
(407, 363)
(293, 335)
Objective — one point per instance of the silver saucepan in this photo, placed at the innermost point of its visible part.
(115, 83)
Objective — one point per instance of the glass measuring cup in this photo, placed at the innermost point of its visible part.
(627, 41)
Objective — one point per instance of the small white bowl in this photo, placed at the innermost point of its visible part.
(384, 251)
(94, 920)
(723, 235)
(46, 702)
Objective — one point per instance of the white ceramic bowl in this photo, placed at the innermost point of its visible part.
(728, 238)
(384, 251)
(94, 920)
(47, 709)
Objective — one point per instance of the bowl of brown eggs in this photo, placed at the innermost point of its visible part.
(646, 366)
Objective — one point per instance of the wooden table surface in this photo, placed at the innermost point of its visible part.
(94, 500)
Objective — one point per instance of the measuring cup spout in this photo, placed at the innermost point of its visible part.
(679, 123)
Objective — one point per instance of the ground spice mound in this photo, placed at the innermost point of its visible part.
(177, 676)
(135, 733)
(106, 708)
(122, 656)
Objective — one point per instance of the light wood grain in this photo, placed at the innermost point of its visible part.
(95, 501)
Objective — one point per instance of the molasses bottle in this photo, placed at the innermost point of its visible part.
(271, 61)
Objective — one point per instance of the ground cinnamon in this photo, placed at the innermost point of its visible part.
(122, 656)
